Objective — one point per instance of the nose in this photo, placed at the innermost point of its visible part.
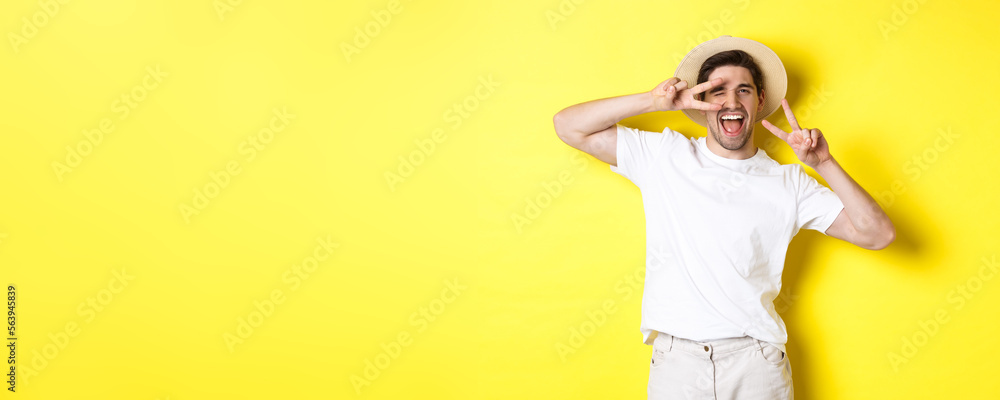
(729, 99)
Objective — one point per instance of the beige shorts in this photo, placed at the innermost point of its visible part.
(737, 368)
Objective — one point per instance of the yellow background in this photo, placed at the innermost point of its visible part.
(883, 79)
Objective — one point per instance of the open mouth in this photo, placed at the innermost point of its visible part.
(732, 123)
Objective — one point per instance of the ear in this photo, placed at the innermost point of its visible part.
(760, 101)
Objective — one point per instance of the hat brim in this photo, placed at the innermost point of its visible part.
(773, 71)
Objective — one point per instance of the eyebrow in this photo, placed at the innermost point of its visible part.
(742, 85)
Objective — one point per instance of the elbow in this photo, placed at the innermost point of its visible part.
(885, 238)
(559, 123)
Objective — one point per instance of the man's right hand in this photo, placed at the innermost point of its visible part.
(591, 127)
(673, 94)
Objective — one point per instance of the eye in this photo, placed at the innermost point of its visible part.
(745, 91)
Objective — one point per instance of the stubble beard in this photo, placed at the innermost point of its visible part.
(730, 143)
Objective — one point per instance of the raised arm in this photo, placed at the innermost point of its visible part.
(861, 222)
(590, 127)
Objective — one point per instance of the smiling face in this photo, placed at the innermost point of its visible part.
(732, 126)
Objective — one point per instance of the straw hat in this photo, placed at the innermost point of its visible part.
(775, 79)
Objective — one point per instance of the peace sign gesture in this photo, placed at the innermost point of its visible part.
(809, 144)
(673, 94)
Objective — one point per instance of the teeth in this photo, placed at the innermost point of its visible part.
(727, 117)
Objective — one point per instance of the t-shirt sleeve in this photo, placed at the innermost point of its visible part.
(637, 149)
(818, 206)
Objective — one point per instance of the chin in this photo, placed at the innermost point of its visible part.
(728, 142)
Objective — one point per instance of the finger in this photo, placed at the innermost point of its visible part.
(701, 105)
(669, 83)
(798, 138)
(775, 130)
(788, 115)
(664, 87)
(681, 86)
(706, 85)
(815, 136)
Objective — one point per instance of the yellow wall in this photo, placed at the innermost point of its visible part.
(318, 249)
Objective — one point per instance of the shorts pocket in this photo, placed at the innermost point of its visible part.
(771, 353)
(658, 358)
(659, 353)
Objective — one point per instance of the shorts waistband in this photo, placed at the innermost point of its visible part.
(668, 342)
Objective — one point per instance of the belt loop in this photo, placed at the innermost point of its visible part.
(759, 346)
(671, 344)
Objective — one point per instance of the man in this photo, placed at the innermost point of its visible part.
(720, 214)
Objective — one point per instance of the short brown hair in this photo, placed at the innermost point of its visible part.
(737, 58)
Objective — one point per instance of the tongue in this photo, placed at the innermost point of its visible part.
(731, 126)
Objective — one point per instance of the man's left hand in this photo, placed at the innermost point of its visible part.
(809, 144)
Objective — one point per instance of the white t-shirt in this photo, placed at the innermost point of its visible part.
(717, 231)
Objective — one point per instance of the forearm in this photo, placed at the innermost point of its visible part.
(865, 214)
(583, 119)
